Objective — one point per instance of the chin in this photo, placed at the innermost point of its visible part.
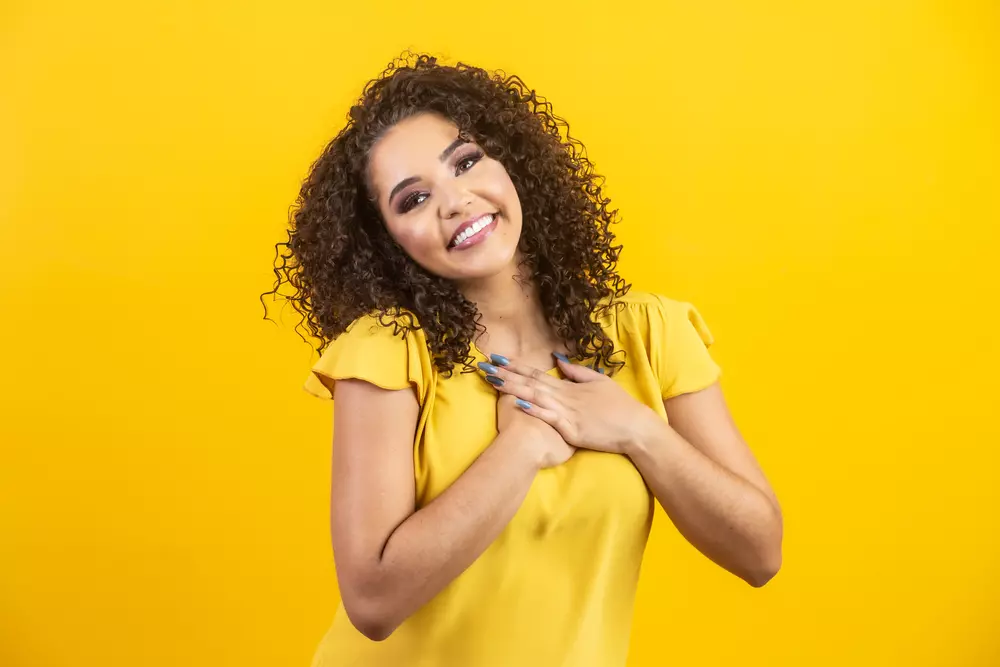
(492, 259)
(488, 265)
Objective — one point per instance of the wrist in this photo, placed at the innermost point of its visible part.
(518, 441)
(645, 431)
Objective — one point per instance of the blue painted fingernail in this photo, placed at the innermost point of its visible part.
(522, 404)
(561, 357)
(499, 360)
(487, 368)
(494, 380)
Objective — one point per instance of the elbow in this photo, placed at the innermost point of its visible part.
(374, 630)
(768, 558)
(765, 570)
(368, 619)
(369, 611)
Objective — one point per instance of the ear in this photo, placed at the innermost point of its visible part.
(578, 373)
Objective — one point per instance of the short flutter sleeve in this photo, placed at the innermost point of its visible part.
(678, 348)
(370, 351)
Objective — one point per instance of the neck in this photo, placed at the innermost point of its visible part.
(513, 316)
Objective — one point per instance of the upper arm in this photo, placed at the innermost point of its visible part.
(703, 419)
(372, 478)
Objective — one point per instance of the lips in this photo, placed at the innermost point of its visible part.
(470, 228)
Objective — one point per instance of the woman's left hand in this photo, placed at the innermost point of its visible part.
(589, 409)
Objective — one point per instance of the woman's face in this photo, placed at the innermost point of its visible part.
(453, 209)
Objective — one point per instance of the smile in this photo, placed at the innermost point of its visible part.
(474, 231)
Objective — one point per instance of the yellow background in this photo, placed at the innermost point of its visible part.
(820, 179)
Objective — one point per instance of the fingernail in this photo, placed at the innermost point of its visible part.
(561, 357)
(494, 380)
(499, 360)
(601, 371)
(487, 368)
(522, 404)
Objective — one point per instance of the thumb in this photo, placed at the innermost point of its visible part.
(575, 372)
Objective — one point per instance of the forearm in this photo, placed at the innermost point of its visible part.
(440, 541)
(724, 516)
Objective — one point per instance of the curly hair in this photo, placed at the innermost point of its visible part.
(341, 262)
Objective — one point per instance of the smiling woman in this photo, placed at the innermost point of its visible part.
(498, 515)
(344, 255)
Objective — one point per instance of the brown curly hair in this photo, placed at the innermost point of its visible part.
(341, 262)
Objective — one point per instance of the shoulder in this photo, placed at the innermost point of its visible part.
(388, 350)
(650, 313)
(377, 333)
(669, 335)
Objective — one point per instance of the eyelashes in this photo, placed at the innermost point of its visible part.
(469, 159)
(463, 164)
(411, 201)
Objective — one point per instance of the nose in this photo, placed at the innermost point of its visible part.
(454, 200)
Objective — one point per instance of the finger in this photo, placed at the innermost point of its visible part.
(525, 389)
(547, 415)
(536, 382)
(554, 418)
(578, 373)
(513, 366)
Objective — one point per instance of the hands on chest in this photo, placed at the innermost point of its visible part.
(587, 410)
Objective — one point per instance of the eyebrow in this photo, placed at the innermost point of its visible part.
(445, 154)
(452, 147)
(402, 184)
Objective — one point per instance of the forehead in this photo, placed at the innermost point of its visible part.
(409, 147)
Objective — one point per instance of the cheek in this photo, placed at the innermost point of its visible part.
(415, 236)
(496, 183)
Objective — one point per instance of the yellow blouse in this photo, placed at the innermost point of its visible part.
(557, 586)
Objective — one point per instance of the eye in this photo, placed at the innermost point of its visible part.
(411, 201)
(463, 164)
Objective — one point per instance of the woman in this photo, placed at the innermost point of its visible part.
(505, 408)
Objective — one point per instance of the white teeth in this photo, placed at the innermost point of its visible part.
(473, 229)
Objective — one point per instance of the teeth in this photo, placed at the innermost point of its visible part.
(473, 229)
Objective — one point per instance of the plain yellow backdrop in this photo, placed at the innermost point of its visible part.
(821, 179)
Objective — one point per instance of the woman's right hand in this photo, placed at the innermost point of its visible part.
(540, 440)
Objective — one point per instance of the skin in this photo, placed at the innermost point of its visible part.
(392, 558)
